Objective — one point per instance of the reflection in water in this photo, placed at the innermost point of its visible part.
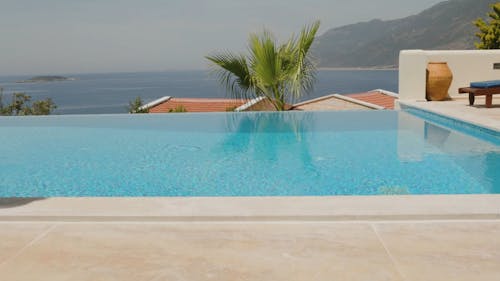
(270, 122)
(266, 135)
(244, 154)
(435, 135)
(477, 158)
(492, 164)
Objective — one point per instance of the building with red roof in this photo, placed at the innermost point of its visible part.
(377, 99)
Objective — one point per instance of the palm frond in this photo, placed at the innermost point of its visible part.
(279, 72)
(264, 60)
(307, 36)
(303, 72)
(232, 71)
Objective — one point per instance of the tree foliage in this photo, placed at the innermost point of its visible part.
(136, 106)
(279, 72)
(489, 32)
(21, 105)
(178, 109)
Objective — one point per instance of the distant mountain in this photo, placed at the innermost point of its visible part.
(447, 25)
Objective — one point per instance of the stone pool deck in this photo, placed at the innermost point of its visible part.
(298, 238)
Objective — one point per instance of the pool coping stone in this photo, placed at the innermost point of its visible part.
(221, 209)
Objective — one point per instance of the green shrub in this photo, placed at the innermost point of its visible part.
(136, 106)
(21, 105)
(178, 109)
(489, 32)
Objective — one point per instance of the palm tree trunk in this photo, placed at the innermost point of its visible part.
(278, 102)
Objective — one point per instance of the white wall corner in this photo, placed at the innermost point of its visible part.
(466, 65)
(412, 76)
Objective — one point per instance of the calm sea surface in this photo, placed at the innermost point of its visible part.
(110, 93)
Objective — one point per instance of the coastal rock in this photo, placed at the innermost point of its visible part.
(41, 79)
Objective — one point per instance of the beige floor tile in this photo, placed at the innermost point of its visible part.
(205, 252)
(444, 251)
(14, 237)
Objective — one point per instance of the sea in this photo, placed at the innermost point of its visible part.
(108, 93)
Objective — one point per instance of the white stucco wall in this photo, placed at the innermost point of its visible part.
(466, 65)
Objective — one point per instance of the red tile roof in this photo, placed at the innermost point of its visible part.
(377, 98)
(197, 105)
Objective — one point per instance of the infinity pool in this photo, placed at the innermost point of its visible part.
(243, 154)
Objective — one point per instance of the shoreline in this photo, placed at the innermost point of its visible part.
(72, 78)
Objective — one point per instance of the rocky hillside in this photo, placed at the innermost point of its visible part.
(447, 25)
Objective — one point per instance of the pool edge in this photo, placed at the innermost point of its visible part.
(261, 209)
(404, 104)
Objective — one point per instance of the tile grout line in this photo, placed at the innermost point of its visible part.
(391, 257)
(31, 243)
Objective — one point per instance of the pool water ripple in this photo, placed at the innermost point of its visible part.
(245, 154)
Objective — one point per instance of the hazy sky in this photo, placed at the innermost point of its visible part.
(81, 36)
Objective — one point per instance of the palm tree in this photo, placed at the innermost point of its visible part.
(279, 73)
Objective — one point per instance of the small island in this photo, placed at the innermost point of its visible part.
(41, 79)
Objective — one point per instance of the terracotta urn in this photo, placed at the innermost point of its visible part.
(438, 82)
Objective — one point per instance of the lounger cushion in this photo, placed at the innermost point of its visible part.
(485, 84)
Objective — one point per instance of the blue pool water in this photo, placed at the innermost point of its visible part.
(243, 154)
